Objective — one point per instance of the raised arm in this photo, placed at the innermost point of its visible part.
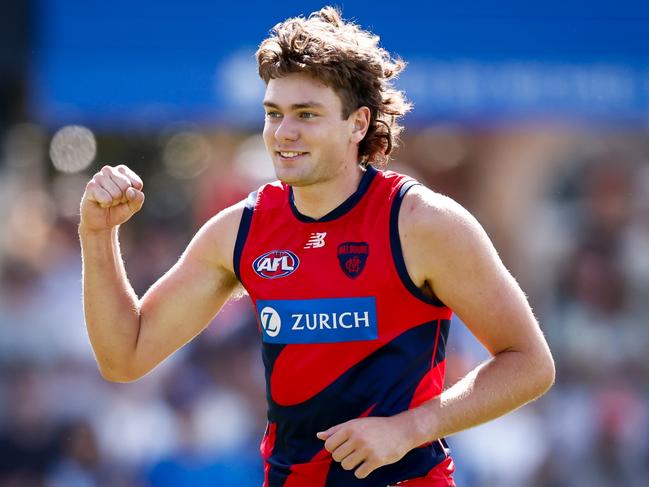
(130, 336)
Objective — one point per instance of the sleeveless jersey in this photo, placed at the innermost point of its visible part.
(345, 332)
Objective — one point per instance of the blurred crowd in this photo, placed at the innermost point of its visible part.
(567, 209)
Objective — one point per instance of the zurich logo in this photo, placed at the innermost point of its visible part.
(276, 263)
(324, 320)
(270, 321)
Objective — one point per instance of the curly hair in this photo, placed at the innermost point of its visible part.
(348, 60)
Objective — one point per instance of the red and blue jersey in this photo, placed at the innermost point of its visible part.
(346, 333)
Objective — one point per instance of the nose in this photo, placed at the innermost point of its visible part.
(286, 130)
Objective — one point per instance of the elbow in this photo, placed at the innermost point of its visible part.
(545, 371)
(114, 374)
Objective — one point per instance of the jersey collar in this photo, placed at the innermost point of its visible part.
(341, 209)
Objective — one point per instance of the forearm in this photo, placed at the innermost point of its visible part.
(111, 306)
(494, 388)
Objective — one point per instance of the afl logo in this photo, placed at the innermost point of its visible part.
(270, 321)
(276, 263)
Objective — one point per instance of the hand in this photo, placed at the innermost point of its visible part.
(112, 196)
(366, 444)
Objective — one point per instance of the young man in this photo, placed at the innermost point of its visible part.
(353, 273)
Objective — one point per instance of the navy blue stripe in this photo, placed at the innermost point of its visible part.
(440, 353)
(397, 252)
(341, 209)
(388, 379)
(278, 477)
(242, 234)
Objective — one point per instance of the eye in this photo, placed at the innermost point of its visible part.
(273, 114)
(308, 115)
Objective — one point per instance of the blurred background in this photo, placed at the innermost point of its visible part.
(533, 116)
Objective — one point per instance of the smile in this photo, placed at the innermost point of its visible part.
(290, 154)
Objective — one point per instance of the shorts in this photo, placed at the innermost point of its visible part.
(440, 476)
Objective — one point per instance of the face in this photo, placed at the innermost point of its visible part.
(304, 132)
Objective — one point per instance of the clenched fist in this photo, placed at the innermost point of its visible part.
(112, 196)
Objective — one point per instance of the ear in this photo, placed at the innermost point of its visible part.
(360, 123)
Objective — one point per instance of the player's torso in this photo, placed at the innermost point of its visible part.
(343, 336)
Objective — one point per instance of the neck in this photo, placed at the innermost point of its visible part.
(316, 200)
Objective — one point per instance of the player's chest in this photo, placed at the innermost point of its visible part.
(290, 258)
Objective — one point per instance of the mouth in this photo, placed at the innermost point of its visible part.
(290, 155)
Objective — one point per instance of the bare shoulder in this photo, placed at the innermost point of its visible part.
(438, 219)
(216, 239)
(444, 246)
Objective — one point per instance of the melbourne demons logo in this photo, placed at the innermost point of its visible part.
(352, 257)
(276, 263)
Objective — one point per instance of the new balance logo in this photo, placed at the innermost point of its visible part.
(316, 240)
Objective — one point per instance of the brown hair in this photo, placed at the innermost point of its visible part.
(348, 60)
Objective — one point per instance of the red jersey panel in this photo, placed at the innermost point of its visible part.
(345, 332)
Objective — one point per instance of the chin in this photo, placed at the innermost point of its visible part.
(293, 181)
(291, 177)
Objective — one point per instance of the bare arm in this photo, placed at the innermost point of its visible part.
(448, 253)
(130, 336)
